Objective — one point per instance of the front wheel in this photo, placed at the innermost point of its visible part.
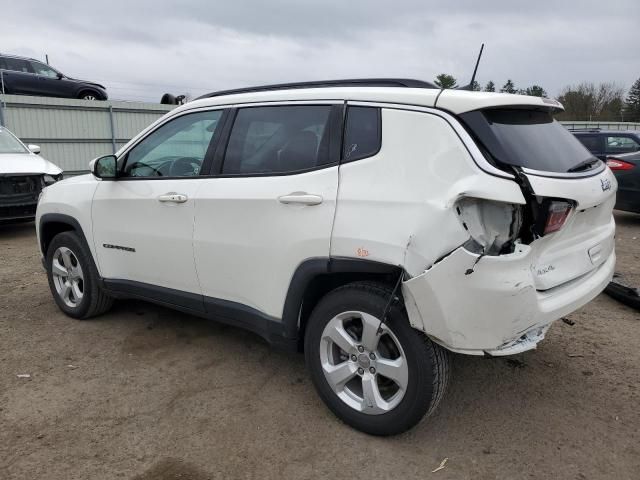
(379, 378)
(73, 278)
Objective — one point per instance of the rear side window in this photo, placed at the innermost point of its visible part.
(280, 139)
(18, 65)
(530, 139)
(621, 144)
(362, 134)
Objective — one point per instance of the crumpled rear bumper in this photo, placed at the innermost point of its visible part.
(495, 309)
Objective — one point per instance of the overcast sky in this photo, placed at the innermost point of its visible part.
(142, 49)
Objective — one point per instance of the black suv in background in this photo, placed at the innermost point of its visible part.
(621, 150)
(26, 76)
(604, 143)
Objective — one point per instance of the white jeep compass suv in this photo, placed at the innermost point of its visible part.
(375, 224)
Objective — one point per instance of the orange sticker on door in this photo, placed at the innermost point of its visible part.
(362, 252)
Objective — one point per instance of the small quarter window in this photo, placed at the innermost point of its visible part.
(278, 139)
(362, 137)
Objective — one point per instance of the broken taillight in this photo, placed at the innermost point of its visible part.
(617, 164)
(557, 215)
(493, 226)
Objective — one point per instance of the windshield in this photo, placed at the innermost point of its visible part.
(529, 138)
(9, 143)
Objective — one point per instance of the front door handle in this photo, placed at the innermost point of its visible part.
(302, 198)
(173, 197)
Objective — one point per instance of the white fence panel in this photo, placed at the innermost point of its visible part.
(73, 132)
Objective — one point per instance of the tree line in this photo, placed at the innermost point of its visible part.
(584, 101)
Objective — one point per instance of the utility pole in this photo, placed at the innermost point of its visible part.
(46, 55)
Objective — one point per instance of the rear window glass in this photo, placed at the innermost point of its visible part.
(528, 138)
(591, 142)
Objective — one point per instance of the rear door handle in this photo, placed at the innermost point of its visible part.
(301, 198)
(173, 197)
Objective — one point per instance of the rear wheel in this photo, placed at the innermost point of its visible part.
(381, 379)
(73, 278)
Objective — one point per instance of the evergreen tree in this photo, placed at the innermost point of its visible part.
(490, 87)
(535, 91)
(508, 87)
(632, 103)
(445, 80)
(475, 86)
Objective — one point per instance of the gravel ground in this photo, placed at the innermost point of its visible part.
(147, 393)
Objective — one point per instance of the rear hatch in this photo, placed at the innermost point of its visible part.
(570, 193)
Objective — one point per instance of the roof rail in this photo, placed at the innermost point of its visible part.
(585, 129)
(362, 82)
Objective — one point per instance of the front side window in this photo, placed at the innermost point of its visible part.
(10, 144)
(44, 70)
(176, 149)
(624, 144)
(18, 65)
(362, 134)
(278, 139)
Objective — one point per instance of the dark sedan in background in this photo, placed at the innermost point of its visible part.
(621, 150)
(626, 168)
(603, 143)
(27, 76)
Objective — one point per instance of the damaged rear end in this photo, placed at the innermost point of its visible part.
(523, 265)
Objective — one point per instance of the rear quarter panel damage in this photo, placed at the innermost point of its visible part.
(404, 197)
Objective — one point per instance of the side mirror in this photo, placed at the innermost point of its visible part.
(105, 167)
(60, 76)
(34, 148)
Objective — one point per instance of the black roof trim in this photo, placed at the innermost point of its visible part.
(361, 82)
(606, 131)
(11, 55)
(586, 130)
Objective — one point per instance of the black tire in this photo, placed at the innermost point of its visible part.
(89, 95)
(428, 363)
(94, 301)
(168, 99)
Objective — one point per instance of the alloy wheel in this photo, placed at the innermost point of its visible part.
(68, 277)
(363, 362)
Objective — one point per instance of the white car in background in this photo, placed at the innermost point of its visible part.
(23, 175)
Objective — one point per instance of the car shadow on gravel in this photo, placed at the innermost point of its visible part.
(17, 230)
(491, 389)
(627, 218)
